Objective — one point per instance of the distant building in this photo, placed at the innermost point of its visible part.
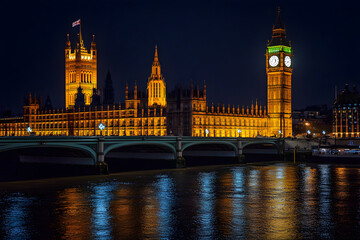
(346, 113)
(182, 112)
(316, 118)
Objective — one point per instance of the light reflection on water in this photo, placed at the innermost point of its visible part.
(278, 201)
(206, 205)
(100, 200)
(15, 218)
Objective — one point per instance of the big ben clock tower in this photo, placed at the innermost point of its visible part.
(279, 70)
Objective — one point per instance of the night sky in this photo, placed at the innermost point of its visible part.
(222, 42)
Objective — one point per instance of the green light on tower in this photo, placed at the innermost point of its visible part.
(276, 49)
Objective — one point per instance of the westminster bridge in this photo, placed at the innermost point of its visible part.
(98, 150)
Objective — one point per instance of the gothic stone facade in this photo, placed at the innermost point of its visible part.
(182, 112)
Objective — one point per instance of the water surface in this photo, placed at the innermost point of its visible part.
(259, 201)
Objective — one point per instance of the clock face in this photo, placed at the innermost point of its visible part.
(287, 61)
(274, 61)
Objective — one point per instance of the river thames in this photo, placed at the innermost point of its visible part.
(250, 201)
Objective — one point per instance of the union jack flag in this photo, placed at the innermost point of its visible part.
(76, 23)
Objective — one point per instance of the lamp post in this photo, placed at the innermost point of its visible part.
(239, 132)
(207, 132)
(308, 132)
(101, 127)
(29, 130)
(280, 133)
(321, 136)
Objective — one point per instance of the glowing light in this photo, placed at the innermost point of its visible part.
(275, 49)
(101, 126)
(308, 132)
(239, 130)
(323, 132)
(28, 129)
(207, 131)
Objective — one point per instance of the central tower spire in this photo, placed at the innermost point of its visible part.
(156, 87)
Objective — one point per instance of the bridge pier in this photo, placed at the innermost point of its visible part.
(240, 157)
(101, 166)
(180, 160)
(281, 149)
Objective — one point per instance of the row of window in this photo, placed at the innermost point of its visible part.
(227, 122)
(85, 77)
(155, 90)
(93, 124)
(224, 133)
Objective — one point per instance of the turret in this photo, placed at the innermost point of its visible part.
(48, 104)
(67, 45)
(204, 90)
(80, 98)
(93, 43)
(127, 92)
(95, 98)
(256, 108)
(93, 49)
(135, 91)
(109, 90)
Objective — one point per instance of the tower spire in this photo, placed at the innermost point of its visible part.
(279, 33)
(278, 23)
(135, 90)
(68, 43)
(156, 58)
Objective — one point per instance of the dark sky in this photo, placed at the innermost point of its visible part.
(222, 42)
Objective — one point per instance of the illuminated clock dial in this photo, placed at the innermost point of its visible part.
(287, 61)
(274, 61)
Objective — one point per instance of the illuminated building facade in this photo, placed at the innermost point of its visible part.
(80, 70)
(279, 70)
(181, 112)
(346, 113)
(189, 115)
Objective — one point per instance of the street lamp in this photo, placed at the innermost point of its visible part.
(308, 132)
(29, 130)
(207, 132)
(239, 132)
(101, 127)
(280, 133)
(322, 136)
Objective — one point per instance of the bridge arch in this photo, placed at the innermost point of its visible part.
(261, 142)
(187, 145)
(82, 148)
(126, 144)
(261, 147)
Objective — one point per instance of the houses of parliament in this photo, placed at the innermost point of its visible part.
(156, 112)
